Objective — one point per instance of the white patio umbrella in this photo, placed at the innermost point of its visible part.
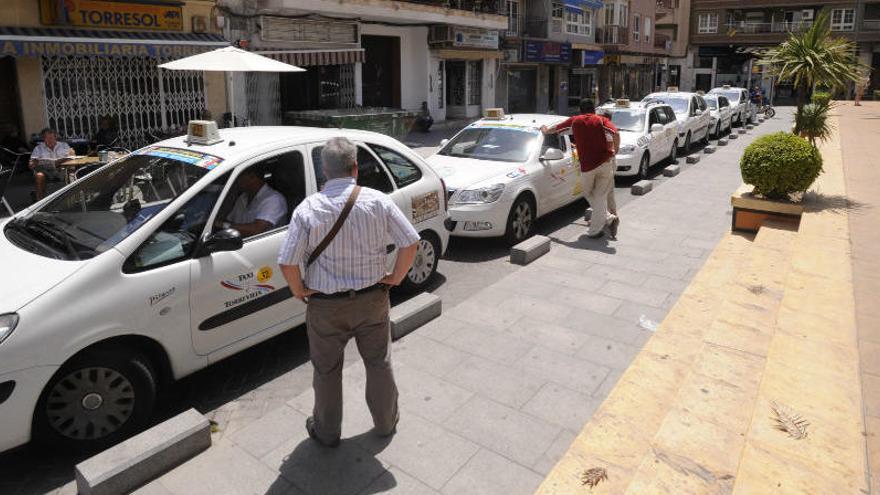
(230, 59)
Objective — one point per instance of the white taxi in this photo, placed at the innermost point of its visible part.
(691, 113)
(648, 136)
(502, 174)
(741, 108)
(123, 281)
(719, 110)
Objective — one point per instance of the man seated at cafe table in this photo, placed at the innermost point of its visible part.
(45, 157)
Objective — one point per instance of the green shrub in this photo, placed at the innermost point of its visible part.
(821, 97)
(812, 121)
(780, 164)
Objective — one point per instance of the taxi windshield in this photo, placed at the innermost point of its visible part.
(712, 102)
(679, 105)
(732, 95)
(496, 143)
(101, 210)
(632, 120)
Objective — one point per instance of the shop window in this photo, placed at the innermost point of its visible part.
(321, 87)
(637, 23)
(475, 82)
(843, 19)
(707, 23)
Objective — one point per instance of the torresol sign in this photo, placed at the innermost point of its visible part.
(120, 15)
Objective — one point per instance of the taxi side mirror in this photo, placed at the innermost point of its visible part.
(222, 240)
(656, 127)
(552, 154)
(698, 112)
(444, 142)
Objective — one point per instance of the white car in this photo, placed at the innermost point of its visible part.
(503, 173)
(691, 112)
(648, 136)
(741, 108)
(120, 282)
(719, 110)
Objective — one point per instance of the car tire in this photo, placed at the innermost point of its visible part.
(425, 265)
(705, 139)
(644, 166)
(718, 129)
(96, 400)
(520, 221)
(687, 143)
(769, 112)
(673, 153)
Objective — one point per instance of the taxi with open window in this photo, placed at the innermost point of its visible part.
(502, 173)
(130, 278)
(648, 136)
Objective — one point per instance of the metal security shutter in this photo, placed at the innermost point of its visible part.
(305, 58)
(314, 31)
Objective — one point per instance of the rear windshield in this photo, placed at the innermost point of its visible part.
(496, 143)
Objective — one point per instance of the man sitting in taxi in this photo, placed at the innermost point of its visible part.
(44, 159)
(258, 208)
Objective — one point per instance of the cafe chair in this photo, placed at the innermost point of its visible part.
(9, 162)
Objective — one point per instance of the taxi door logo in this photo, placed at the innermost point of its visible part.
(250, 285)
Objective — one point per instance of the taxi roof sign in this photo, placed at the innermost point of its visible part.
(202, 132)
(621, 102)
(494, 113)
(726, 86)
(672, 89)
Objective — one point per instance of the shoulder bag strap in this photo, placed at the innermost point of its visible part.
(336, 226)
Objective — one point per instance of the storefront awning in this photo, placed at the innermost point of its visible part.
(34, 42)
(467, 54)
(304, 58)
(585, 4)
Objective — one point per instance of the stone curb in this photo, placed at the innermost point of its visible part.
(692, 159)
(144, 457)
(671, 171)
(410, 315)
(529, 250)
(641, 187)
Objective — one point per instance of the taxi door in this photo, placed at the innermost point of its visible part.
(660, 141)
(556, 175)
(239, 294)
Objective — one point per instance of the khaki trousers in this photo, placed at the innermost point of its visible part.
(330, 324)
(598, 184)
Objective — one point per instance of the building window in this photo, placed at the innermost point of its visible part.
(623, 15)
(647, 29)
(512, 17)
(558, 10)
(609, 15)
(441, 75)
(475, 82)
(637, 23)
(707, 23)
(843, 19)
(578, 21)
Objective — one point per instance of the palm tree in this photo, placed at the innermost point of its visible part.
(814, 58)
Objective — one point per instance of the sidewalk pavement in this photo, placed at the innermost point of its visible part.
(493, 392)
(859, 128)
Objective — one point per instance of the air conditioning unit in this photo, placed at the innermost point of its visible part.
(440, 34)
(807, 14)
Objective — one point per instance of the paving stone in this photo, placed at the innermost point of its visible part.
(440, 329)
(610, 353)
(557, 337)
(423, 449)
(262, 436)
(413, 313)
(502, 383)
(224, 468)
(555, 452)
(481, 316)
(671, 170)
(356, 418)
(543, 307)
(529, 250)
(426, 395)
(569, 371)
(488, 473)
(618, 273)
(428, 355)
(692, 159)
(145, 456)
(641, 187)
(635, 293)
(608, 384)
(395, 481)
(609, 327)
(709, 149)
(722, 142)
(489, 343)
(511, 433)
(630, 311)
(153, 488)
(562, 406)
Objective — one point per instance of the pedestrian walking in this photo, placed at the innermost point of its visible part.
(334, 260)
(597, 141)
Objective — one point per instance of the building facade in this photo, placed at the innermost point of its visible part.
(634, 55)
(69, 64)
(727, 36)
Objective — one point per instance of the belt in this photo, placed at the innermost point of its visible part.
(349, 293)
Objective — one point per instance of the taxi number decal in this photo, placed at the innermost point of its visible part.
(249, 285)
(425, 206)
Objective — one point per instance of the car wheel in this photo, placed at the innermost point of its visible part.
(644, 166)
(705, 139)
(425, 265)
(673, 153)
(96, 400)
(687, 143)
(520, 221)
(718, 130)
(769, 112)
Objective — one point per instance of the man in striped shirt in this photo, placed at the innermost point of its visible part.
(346, 288)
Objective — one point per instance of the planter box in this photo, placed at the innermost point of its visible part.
(750, 211)
(389, 121)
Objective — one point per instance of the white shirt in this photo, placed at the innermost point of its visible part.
(43, 152)
(357, 256)
(268, 205)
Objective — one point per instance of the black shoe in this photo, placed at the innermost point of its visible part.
(310, 427)
(612, 228)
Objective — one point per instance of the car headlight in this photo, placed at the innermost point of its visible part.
(488, 194)
(8, 322)
(627, 148)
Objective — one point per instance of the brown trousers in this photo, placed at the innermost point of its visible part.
(330, 324)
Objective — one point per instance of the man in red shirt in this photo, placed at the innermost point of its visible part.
(597, 141)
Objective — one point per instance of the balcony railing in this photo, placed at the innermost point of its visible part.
(662, 41)
(665, 5)
(481, 6)
(746, 27)
(871, 24)
(613, 35)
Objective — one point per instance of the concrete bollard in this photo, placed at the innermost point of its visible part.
(741, 131)
(709, 149)
(529, 250)
(733, 136)
(671, 171)
(722, 142)
(693, 159)
(641, 187)
(410, 315)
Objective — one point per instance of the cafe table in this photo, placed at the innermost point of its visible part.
(75, 163)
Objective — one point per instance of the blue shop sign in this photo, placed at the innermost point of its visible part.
(546, 52)
(592, 57)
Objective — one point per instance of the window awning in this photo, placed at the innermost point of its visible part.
(467, 54)
(585, 4)
(34, 42)
(304, 58)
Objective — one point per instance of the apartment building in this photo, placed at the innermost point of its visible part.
(673, 30)
(728, 35)
(369, 53)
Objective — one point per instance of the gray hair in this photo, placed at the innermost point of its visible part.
(338, 158)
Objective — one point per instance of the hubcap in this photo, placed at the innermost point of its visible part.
(522, 220)
(423, 266)
(90, 403)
